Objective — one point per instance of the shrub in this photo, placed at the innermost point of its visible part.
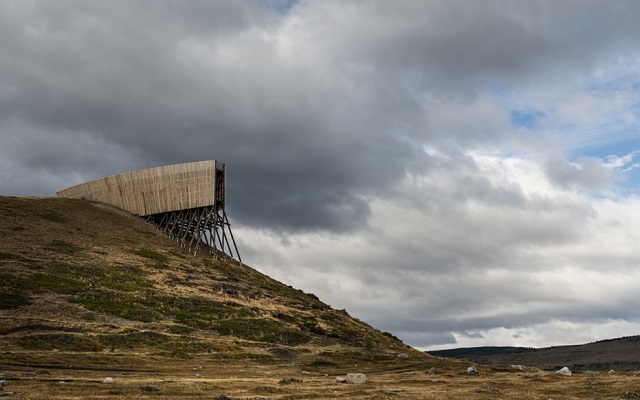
(10, 300)
(53, 217)
(152, 255)
(62, 246)
(133, 340)
(58, 341)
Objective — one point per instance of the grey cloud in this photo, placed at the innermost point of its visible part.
(448, 45)
(154, 80)
(307, 131)
(353, 119)
(584, 174)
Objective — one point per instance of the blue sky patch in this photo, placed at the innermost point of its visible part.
(527, 119)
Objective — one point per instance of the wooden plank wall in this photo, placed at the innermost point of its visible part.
(153, 190)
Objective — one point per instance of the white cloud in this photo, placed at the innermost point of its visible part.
(509, 254)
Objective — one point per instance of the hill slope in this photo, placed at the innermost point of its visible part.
(621, 354)
(81, 277)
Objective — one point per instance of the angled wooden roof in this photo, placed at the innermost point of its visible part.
(154, 190)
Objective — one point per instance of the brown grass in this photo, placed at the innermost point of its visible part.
(208, 377)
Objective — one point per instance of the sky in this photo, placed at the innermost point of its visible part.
(456, 173)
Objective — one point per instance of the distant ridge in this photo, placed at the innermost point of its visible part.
(621, 354)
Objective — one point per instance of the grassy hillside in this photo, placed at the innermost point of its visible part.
(80, 276)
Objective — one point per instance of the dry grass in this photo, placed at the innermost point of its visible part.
(207, 377)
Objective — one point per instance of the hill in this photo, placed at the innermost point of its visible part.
(81, 276)
(622, 354)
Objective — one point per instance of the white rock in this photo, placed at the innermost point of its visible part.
(108, 380)
(472, 371)
(563, 371)
(340, 379)
(403, 355)
(356, 378)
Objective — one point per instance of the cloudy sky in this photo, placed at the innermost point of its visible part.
(458, 173)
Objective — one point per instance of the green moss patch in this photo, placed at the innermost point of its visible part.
(11, 299)
(264, 330)
(59, 341)
(198, 312)
(152, 255)
(117, 304)
(53, 217)
(134, 339)
(61, 246)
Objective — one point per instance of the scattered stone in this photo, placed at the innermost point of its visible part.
(7, 393)
(433, 371)
(472, 370)
(564, 371)
(150, 388)
(631, 395)
(592, 373)
(403, 355)
(611, 371)
(340, 379)
(289, 381)
(356, 378)
(306, 373)
(2, 383)
(108, 380)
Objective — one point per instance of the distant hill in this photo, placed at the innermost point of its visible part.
(622, 354)
(81, 277)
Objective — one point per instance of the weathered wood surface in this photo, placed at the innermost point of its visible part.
(154, 190)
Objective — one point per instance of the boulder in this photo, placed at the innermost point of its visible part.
(433, 370)
(108, 380)
(403, 355)
(340, 379)
(356, 378)
(2, 383)
(472, 371)
(563, 371)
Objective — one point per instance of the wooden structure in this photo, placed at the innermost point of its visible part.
(186, 201)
